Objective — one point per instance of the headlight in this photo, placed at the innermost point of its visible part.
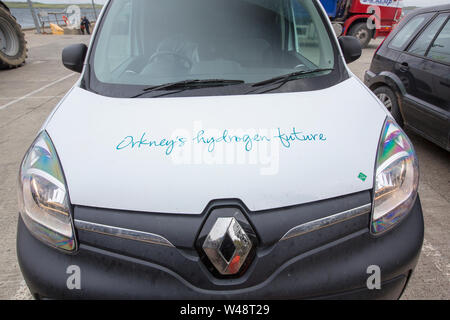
(43, 199)
(396, 178)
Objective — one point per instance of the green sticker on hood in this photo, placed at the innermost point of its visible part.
(362, 176)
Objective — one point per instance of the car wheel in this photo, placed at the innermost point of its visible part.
(389, 99)
(362, 33)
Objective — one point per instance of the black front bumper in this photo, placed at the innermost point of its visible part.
(335, 267)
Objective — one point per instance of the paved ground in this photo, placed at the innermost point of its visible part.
(28, 94)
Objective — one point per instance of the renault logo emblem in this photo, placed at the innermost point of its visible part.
(227, 246)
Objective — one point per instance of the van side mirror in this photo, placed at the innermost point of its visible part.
(73, 57)
(351, 48)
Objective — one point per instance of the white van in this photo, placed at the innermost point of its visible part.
(218, 149)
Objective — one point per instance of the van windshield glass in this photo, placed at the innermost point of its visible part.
(155, 42)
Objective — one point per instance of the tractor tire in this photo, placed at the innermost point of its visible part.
(362, 33)
(13, 47)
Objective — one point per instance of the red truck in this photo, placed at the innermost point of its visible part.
(364, 19)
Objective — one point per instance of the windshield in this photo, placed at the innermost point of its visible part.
(150, 43)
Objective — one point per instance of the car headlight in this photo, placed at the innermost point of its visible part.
(396, 178)
(43, 198)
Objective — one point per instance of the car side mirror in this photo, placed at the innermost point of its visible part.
(351, 48)
(73, 57)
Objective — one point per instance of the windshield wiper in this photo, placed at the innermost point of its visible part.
(187, 84)
(288, 77)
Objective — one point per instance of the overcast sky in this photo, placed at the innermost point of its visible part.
(405, 2)
(424, 2)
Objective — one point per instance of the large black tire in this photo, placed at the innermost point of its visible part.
(13, 47)
(362, 32)
(390, 101)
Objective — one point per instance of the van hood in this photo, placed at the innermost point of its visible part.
(175, 155)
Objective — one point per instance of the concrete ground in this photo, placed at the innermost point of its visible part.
(28, 94)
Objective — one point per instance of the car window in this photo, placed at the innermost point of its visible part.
(421, 45)
(440, 50)
(407, 32)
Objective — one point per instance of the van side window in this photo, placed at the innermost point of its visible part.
(421, 45)
(440, 50)
(407, 32)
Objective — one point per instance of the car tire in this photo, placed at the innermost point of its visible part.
(362, 33)
(13, 47)
(390, 101)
